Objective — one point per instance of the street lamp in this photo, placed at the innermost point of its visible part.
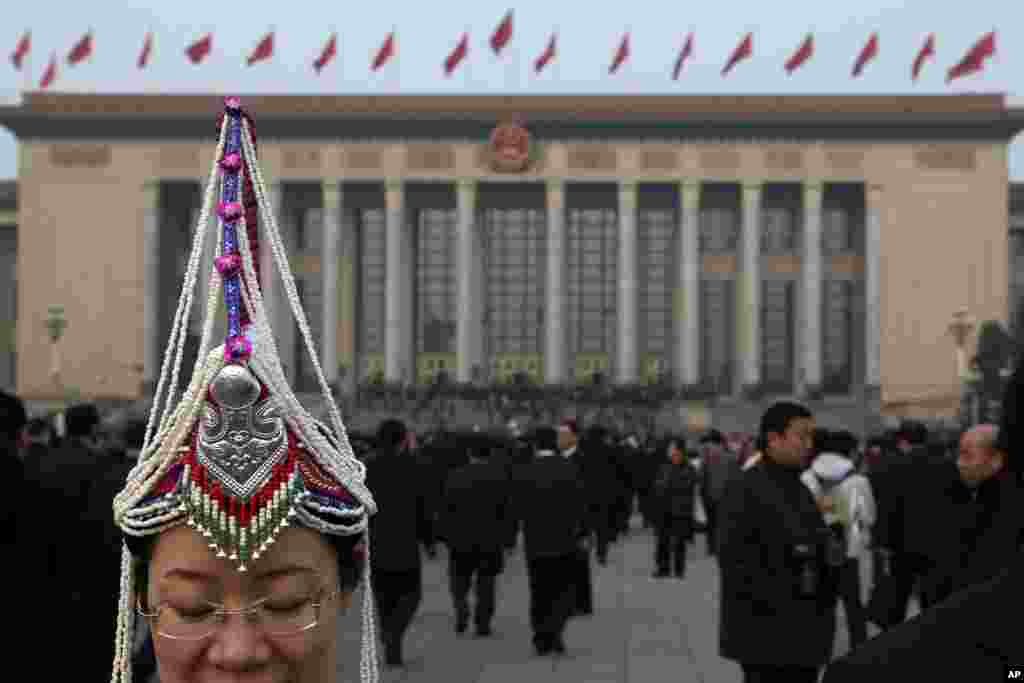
(961, 327)
(56, 323)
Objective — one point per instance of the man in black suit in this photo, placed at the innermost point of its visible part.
(401, 525)
(475, 522)
(549, 500)
(911, 492)
(779, 593)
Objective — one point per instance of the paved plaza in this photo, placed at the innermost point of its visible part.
(643, 630)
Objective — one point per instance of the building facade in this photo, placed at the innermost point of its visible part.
(745, 245)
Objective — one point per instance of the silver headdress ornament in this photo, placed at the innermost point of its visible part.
(236, 457)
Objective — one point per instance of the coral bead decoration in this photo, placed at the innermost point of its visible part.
(228, 265)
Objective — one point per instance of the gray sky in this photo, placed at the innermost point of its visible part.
(588, 34)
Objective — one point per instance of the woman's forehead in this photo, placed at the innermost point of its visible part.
(182, 553)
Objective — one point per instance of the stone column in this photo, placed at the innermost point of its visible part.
(687, 323)
(349, 255)
(810, 288)
(151, 288)
(628, 361)
(748, 290)
(873, 289)
(394, 339)
(270, 282)
(556, 352)
(468, 326)
(286, 327)
(329, 258)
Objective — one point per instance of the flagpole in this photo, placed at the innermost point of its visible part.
(396, 64)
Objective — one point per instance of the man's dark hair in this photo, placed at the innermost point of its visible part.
(391, 433)
(81, 420)
(778, 416)
(714, 437)
(545, 439)
(823, 440)
(13, 416)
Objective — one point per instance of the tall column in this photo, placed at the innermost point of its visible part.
(394, 339)
(329, 256)
(810, 297)
(287, 327)
(628, 362)
(150, 287)
(270, 283)
(556, 352)
(348, 306)
(873, 289)
(748, 290)
(687, 323)
(468, 325)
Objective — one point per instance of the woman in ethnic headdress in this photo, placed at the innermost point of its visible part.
(245, 520)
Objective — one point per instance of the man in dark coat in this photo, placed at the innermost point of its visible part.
(986, 525)
(911, 492)
(401, 525)
(675, 488)
(475, 523)
(550, 501)
(589, 459)
(778, 596)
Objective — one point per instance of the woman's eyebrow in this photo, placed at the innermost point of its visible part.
(188, 575)
(287, 570)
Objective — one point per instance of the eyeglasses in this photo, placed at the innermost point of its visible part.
(275, 616)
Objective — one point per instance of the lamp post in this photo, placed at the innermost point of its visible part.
(961, 327)
(56, 323)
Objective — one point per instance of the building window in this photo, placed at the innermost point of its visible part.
(593, 276)
(719, 230)
(837, 326)
(779, 230)
(717, 316)
(656, 259)
(840, 231)
(516, 270)
(435, 279)
(777, 329)
(372, 284)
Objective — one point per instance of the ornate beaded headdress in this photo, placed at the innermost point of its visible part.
(236, 457)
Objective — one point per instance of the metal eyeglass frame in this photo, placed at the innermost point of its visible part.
(220, 613)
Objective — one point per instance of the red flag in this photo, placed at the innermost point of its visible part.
(24, 45)
(975, 58)
(802, 54)
(327, 54)
(50, 74)
(684, 54)
(546, 56)
(502, 34)
(264, 50)
(620, 55)
(81, 50)
(456, 56)
(742, 51)
(385, 52)
(147, 46)
(867, 53)
(927, 50)
(198, 50)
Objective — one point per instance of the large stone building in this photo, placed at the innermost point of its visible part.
(779, 245)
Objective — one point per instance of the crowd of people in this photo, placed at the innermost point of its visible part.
(799, 520)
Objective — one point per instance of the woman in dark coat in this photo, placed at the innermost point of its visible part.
(674, 489)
